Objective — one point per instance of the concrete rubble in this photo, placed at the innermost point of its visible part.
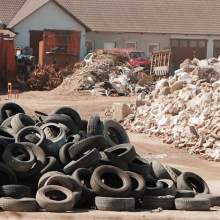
(106, 71)
(184, 110)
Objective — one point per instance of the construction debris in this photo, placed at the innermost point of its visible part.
(183, 109)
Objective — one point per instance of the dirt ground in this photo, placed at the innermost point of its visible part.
(149, 148)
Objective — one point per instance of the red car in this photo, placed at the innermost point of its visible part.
(136, 57)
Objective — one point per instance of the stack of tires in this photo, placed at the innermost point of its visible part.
(58, 161)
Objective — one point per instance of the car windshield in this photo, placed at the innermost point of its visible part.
(136, 55)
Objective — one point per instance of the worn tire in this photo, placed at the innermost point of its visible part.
(92, 126)
(18, 205)
(64, 155)
(214, 198)
(39, 116)
(83, 177)
(20, 121)
(9, 109)
(112, 127)
(28, 130)
(158, 171)
(72, 113)
(38, 166)
(114, 204)
(65, 201)
(192, 181)
(138, 185)
(7, 122)
(15, 191)
(154, 202)
(88, 160)
(9, 157)
(139, 165)
(116, 182)
(80, 147)
(124, 151)
(67, 182)
(193, 204)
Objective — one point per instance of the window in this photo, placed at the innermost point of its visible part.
(89, 46)
(201, 43)
(193, 43)
(217, 44)
(130, 45)
(183, 43)
(175, 43)
(152, 47)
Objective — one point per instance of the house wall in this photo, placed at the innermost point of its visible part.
(142, 40)
(210, 42)
(50, 16)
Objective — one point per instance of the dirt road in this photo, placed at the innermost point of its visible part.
(149, 148)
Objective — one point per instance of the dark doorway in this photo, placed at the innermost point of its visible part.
(35, 38)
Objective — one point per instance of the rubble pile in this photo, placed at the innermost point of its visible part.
(183, 109)
(92, 77)
(48, 77)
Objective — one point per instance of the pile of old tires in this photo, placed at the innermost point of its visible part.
(58, 161)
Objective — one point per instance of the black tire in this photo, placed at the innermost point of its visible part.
(9, 157)
(20, 121)
(109, 181)
(53, 145)
(192, 181)
(46, 176)
(88, 160)
(38, 166)
(124, 151)
(138, 185)
(83, 126)
(28, 130)
(18, 205)
(73, 114)
(114, 160)
(173, 172)
(92, 126)
(83, 177)
(7, 134)
(114, 204)
(214, 199)
(51, 165)
(7, 122)
(193, 204)
(64, 120)
(9, 109)
(185, 193)
(158, 171)
(8, 174)
(169, 187)
(139, 165)
(67, 182)
(153, 187)
(112, 127)
(15, 191)
(80, 147)
(64, 155)
(64, 202)
(154, 202)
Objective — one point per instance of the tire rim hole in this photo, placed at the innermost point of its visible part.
(134, 183)
(138, 161)
(112, 180)
(55, 195)
(195, 184)
(85, 180)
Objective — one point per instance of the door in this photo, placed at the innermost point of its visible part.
(187, 49)
(109, 45)
(216, 51)
(35, 38)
